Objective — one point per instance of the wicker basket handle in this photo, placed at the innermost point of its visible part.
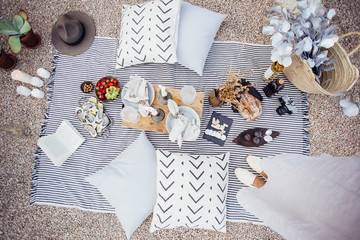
(358, 46)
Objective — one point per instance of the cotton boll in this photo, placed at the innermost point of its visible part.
(327, 43)
(268, 30)
(276, 9)
(291, 35)
(275, 22)
(286, 49)
(287, 61)
(306, 13)
(307, 44)
(275, 56)
(334, 37)
(284, 26)
(277, 36)
(277, 40)
(298, 32)
(331, 14)
(311, 62)
(307, 25)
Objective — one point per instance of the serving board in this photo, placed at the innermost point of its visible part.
(148, 124)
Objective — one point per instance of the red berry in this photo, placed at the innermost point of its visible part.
(99, 93)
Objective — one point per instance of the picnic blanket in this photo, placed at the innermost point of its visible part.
(66, 185)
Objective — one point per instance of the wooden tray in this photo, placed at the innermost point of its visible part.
(148, 124)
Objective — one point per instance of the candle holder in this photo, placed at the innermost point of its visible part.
(164, 100)
(160, 116)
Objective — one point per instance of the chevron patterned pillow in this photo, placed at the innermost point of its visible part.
(191, 191)
(149, 33)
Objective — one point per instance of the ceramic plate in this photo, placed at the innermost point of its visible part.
(151, 92)
(188, 112)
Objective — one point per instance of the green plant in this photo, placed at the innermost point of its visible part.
(16, 29)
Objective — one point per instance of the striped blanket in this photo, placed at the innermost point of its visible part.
(65, 185)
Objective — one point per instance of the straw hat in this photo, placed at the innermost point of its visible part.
(73, 33)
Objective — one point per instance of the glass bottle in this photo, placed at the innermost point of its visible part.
(272, 71)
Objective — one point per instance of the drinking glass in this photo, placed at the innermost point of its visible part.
(130, 114)
(188, 94)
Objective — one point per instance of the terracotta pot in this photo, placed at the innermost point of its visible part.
(31, 40)
(7, 61)
(213, 100)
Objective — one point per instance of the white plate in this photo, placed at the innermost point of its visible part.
(151, 92)
(188, 112)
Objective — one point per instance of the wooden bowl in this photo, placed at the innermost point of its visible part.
(105, 99)
(87, 83)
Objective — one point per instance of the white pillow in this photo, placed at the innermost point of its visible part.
(148, 33)
(191, 191)
(128, 183)
(197, 30)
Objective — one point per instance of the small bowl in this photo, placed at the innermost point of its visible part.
(105, 99)
(88, 83)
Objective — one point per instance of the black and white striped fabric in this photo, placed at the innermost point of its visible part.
(65, 185)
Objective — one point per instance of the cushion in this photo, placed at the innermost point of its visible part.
(191, 191)
(148, 33)
(128, 183)
(197, 30)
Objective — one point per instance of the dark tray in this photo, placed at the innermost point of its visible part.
(241, 141)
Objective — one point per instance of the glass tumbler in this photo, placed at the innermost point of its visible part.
(188, 94)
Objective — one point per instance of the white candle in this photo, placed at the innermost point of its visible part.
(23, 91)
(20, 76)
(43, 73)
(37, 82)
(37, 93)
(163, 91)
(152, 110)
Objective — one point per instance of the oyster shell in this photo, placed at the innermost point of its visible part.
(105, 121)
(92, 116)
(79, 112)
(91, 130)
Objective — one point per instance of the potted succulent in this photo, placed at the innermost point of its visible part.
(19, 31)
(7, 61)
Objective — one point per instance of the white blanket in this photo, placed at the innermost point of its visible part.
(308, 197)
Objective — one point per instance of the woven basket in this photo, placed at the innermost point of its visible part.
(342, 78)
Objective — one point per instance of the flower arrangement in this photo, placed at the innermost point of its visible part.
(307, 35)
(235, 86)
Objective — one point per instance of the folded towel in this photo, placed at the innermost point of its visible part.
(137, 91)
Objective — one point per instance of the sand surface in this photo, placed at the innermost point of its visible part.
(330, 131)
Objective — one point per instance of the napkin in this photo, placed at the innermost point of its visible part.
(184, 128)
(137, 91)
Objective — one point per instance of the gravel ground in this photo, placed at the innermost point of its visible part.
(330, 131)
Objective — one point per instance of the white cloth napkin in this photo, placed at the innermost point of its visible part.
(184, 128)
(137, 91)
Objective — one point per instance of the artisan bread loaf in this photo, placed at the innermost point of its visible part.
(250, 107)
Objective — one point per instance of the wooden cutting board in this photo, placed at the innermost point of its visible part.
(148, 124)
